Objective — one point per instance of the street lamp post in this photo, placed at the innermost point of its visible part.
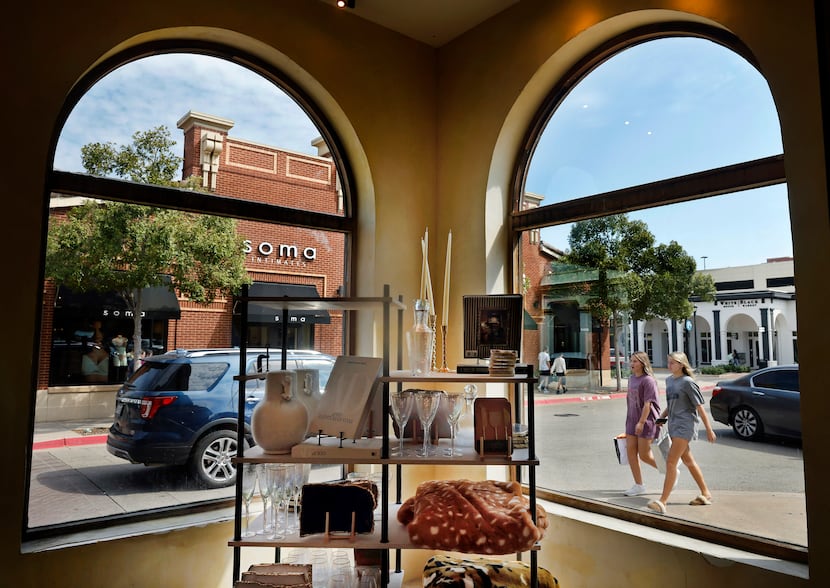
(704, 257)
(694, 327)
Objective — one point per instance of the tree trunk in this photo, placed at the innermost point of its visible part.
(136, 329)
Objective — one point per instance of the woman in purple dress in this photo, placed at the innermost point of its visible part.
(640, 426)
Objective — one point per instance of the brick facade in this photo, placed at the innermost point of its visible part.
(274, 253)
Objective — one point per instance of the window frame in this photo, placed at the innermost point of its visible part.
(117, 190)
(712, 182)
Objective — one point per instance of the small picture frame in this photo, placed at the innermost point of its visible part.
(492, 321)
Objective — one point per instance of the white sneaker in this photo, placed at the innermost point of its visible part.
(635, 490)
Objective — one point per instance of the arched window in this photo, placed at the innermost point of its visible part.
(651, 214)
(179, 176)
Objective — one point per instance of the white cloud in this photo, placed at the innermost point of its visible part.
(159, 90)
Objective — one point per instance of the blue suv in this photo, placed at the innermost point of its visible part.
(180, 408)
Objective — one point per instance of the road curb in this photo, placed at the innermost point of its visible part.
(69, 442)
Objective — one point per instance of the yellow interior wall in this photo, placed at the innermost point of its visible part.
(431, 135)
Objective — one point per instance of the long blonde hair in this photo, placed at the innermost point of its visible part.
(681, 358)
(642, 357)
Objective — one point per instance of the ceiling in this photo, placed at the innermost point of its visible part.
(433, 22)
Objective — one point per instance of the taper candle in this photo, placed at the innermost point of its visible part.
(445, 309)
(422, 290)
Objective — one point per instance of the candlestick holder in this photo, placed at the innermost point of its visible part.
(432, 322)
(444, 369)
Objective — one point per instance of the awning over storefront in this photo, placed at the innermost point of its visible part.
(528, 322)
(158, 302)
(262, 313)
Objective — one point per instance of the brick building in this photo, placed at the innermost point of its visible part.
(280, 260)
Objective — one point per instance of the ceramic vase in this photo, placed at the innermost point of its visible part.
(280, 420)
(308, 390)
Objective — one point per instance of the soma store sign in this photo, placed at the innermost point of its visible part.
(279, 254)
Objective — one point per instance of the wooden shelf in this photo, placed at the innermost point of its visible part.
(463, 442)
(398, 537)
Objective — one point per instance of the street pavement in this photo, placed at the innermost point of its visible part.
(780, 516)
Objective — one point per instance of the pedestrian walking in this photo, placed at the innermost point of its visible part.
(560, 368)
(640, 421)
(685, 409)
(544, 370)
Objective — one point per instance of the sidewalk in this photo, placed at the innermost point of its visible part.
(53, 434)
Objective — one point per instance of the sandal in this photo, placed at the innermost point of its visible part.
(657, 506)
(701, 500)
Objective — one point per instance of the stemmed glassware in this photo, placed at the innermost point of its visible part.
(400, 403)
(426, 405)
(265, 494)
(278, 478)
(455, 403)
(300, 479)
(249, 484)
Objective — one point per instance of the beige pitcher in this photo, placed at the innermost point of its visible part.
(280, 420)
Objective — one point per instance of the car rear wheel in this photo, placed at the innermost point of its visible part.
(212, 460)
(747, 424)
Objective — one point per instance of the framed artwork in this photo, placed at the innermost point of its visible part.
(492, 321)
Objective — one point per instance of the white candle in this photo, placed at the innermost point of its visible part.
(422, 290)
(430, 297)
(445, 309)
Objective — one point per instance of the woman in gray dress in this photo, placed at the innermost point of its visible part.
(685, 409)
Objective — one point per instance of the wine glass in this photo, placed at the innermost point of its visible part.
(400, 403)
(277, 478)
(249, 483)
(265, 494)
(455, 403)
(301, 473)
(426, 404)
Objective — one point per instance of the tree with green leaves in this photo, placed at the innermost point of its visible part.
(124, 248)
(634, 274)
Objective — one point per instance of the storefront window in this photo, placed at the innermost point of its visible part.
(215, 187)
(632, 185)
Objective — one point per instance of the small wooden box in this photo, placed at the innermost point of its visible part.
(493, 425)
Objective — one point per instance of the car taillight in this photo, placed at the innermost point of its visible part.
(151, 404)
(716, 390)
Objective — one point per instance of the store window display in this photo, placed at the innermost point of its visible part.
(95, 364)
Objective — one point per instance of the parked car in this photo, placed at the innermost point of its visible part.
(764, 402)
(181, 407)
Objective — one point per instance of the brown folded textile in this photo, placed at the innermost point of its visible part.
(487, 517)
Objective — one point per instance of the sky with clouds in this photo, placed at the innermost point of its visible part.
(159, 90)
(659, 109)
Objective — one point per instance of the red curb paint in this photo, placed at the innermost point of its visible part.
(69, 442)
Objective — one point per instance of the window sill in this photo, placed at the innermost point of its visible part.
(129, 529)
(717, 555)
